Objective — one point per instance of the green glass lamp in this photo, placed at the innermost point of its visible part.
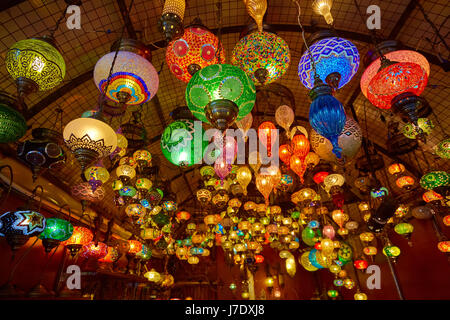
(12, 124)
(220, 94)
(35, 64)
(178, 143)
(56, 230)
(435, 180)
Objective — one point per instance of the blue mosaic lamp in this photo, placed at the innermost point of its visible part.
(336, 60)
(327, 114)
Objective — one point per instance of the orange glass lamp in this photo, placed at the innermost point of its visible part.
(80, 237)
(135, 247)
(405, 182)
(267, 134)
(285, 154)
(396, 168)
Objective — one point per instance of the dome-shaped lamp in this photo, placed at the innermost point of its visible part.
(56, 231)
(96, 175)
(263, 56)
(336, 60)
(327, 115)
(134, 80)
(35, 64)
(196, 49)
(219, 94)
(89, 139)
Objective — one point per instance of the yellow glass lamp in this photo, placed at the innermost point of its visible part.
(125, 173)
(96, 176)
(243, 177)
(143, 158)
(35, 65)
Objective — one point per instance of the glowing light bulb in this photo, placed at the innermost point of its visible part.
(323, 8)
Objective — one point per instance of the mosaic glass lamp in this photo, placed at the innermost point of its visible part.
(96, 175)
(56, 230)
(12, 124)
(219, 94)
(263, 56)
(398, 85)
(336, 60)
(89, 139)
(18, 226)
(400, 56)
(178, 143)
(134, 80)
(35, 64)
(435, 180)
(327, 115)
(80, 237)
(196, 49)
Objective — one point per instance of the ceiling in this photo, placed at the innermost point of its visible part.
(101, 25)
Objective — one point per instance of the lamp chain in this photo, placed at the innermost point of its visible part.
(52, 31)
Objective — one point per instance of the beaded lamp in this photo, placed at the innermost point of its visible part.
(196, 49)
(263, 56)
(12, 124)
(336, 60)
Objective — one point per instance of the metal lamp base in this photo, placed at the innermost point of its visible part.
(221, 113)
(26, 86)
(171, 26)
(85, 157)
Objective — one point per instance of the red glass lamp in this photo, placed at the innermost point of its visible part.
(94, 250)
(300, 145)
(135, 246)
(196, 49)
(80, 237)
(320, 176)
(285, 154)
(398, 85)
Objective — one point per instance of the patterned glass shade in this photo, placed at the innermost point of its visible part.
(111, 256)
(396, 168)
(145, 253)
(403, 228)
(178, 146)
(443, 149)
(135, 246)
(57, 229)
(217, 82)
(435, 179)
(95, 251)
(23, 223)
(175, 6)
(349, 140)
(410, 131)
(196, 49)
(80, 235)
(143, 156)
(92, 134)
(394, 80)
(132, 74)
(400, 56)
(12, 124)
(96, 175)
(262, 52)
(430, 195)
(331, 55)
(38, 61)
(135, 209)
(144, 183)
(83, 191)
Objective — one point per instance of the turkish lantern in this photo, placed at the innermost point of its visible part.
(267, 133)
(285, 154)
(300, 145)
(298, 166)
(264, 184)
